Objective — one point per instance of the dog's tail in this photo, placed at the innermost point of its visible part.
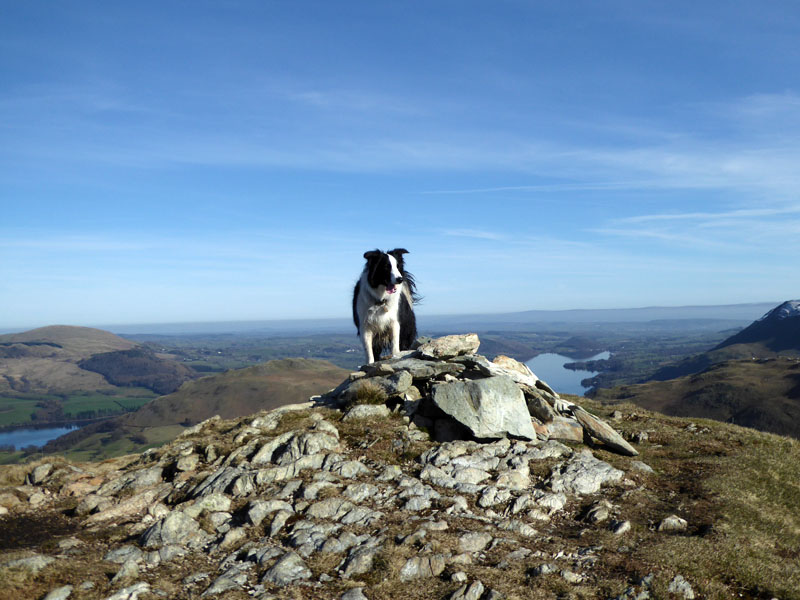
(408, 278)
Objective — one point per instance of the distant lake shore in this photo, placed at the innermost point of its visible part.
(550, 368)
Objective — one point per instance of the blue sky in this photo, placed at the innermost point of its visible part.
(207, 161)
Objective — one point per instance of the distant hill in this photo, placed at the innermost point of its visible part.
(232, 394)
(240, 392)
(763, 394)
(70, 341)
(776, 333)
(139, 367)
(62, 359)
(44, 360)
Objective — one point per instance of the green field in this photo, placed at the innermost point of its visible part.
(15, 411)
(76, 406)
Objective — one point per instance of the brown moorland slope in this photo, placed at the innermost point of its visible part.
(240, 392)
(763, 394)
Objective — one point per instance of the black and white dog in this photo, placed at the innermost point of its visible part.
(383, 304)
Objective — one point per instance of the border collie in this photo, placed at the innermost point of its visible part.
(383, 302)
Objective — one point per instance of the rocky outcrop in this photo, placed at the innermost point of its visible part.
(454, 393)
(450, 469)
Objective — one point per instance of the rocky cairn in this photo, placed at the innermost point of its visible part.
(424, 471)
(446, 388)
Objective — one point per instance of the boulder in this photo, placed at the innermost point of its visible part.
(603, 431)
(490, 408)
(583, 474)
(449, 346)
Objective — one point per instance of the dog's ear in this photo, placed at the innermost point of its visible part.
(372, 254)
(398, 253)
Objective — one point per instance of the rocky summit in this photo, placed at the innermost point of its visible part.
(436, 474)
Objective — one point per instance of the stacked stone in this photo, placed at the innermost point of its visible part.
(444, 387)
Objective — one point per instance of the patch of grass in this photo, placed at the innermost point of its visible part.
(100, 404)
(739, 490)
(370, 393)
(16, 411)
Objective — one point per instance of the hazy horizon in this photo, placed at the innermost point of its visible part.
(728, 312)
(233, 161)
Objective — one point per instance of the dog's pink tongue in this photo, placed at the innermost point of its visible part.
(391, 289)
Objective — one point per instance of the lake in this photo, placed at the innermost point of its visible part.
(20, 438)
(550, 368)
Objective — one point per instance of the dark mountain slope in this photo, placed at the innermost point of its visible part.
(778, 330)
(763, 394)
(776, 333)
(139, 367)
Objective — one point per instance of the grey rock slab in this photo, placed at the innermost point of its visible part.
(364, 517)
(305, 444)
(217, 482)
(416, 504)
(367, 411)
(349, 469)
(544, 569)
(599, 429)
(124, 553)
(330, 508)
(214, 502)
(33, 564)
(473, 591)
(449, 346)
(171, 552)
(552, 502)
(61, 593)
(620, 527)
(419, 567)
(288, 569)
(681, 587)
(265, 452)
(583, 474)
(131, 592)
(474, 541)
(642, 467)
(358, 492)
(424, 369)
(550, 449)
(489, 408)
(309, 536)
(176, 528)
(599, 511)
(354, 594)
(40, 473)
(128, 571)
(278, 521)
(518, 527)
(673, 523)
(221, 584)
(343, 543)
(259, 509)
(359, 560)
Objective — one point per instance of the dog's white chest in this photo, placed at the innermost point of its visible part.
(380, 316)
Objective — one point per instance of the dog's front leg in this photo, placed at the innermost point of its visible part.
(366, 339)
(395, 339)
